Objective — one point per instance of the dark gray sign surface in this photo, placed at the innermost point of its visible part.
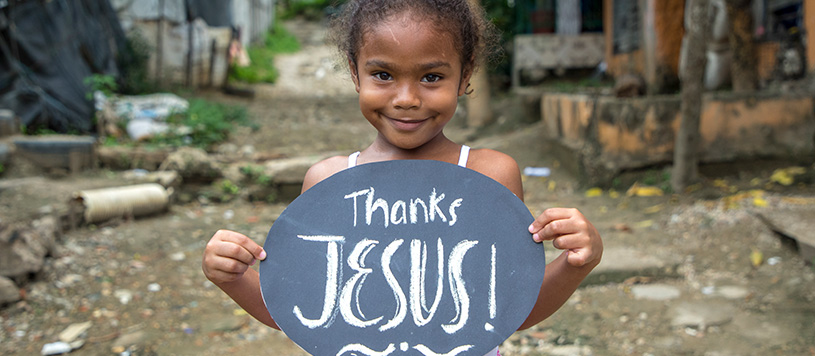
(402, 258)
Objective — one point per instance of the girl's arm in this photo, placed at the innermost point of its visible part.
(568, 230)
(227, 258)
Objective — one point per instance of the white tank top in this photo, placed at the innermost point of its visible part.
(463, 155)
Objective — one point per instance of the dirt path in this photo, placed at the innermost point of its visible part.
(141, 278)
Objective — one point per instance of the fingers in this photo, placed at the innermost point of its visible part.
(555, 222)
(255, 250)
(228, 255)
(569, 230)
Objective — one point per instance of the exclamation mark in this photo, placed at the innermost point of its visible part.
(493, 307)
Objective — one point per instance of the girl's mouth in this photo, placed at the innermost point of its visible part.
(406, 124)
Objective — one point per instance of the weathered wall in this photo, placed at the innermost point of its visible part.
(163, 25)
(809, 23)
(610, 134)
(663, 28)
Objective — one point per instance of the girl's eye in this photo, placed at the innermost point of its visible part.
(382, 76)
(431, 78)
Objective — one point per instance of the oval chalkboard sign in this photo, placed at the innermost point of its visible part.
(409, 257)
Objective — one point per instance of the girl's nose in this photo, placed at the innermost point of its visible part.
(407, 97)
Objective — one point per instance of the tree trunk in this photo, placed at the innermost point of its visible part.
(479, 112)
(686, 160)
(743, 66)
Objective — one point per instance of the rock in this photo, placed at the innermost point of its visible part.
(192, 164)
(126, 340)
(731, 292)
(9, 293)
(74, 331)
(22, 249)
(655, 292)
(700, 315)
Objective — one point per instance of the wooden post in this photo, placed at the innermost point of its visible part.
(686, 145)
(743, 65)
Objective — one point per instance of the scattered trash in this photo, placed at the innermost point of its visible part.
(229, 214)
(622, 227)
(786, 176)
(178, 256)
(154, 287)
(756, 257)
(772, 261)
(146, 113)
(537, 171)
(133, 200)
(74, 331)
(56, 348)
(709, 290)
(644, 191)
(594, 192)
(124, 295)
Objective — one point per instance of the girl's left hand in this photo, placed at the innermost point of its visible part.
(569, 230)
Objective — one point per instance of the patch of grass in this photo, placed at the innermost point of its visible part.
(261, 69)
(203, 125)
(309, 9)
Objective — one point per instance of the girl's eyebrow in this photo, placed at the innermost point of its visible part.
(424, 66)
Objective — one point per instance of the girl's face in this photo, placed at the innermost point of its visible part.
(408, 76)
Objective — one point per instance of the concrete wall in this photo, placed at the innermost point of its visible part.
(167, 32)
(609, 135)
(657, 60)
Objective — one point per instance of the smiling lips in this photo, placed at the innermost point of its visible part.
(406, 124)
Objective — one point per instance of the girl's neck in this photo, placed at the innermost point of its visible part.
(440, 148)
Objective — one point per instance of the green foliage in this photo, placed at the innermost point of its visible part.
(2, 168)
(207, 123)
(309, 9)
(256, 174)
(105, 83)
(132, 61)
(227, 187)
(261, 69)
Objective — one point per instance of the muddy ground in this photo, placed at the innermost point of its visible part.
(140, 279)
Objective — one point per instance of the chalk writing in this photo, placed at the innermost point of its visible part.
(349, 305)
(400, 210)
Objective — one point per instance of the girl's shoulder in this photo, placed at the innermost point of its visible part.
(498, 166)
(324, 169)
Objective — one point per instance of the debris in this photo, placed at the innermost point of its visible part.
(537, 171)
(594, 192)
(133, 200)
(154, 287)
(74, 331)
(756, 257)
(124, 295)
(786, 176)
(772, 261)
(178, 256)
(56, 348)
(644, 191)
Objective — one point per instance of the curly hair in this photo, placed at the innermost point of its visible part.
(475, 38)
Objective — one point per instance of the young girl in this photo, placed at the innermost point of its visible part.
(410, 61)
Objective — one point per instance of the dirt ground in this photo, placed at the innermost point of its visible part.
(140, 279)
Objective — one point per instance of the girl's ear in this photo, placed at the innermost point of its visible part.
(465, 81)
(354, 73)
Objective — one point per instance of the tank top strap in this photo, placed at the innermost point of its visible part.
(352, 159)
(463, 156)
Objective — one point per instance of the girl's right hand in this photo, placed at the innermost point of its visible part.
(228, 255)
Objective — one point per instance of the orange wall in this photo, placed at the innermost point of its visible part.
(669, 28)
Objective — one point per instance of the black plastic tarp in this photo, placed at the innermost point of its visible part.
(47, 49)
